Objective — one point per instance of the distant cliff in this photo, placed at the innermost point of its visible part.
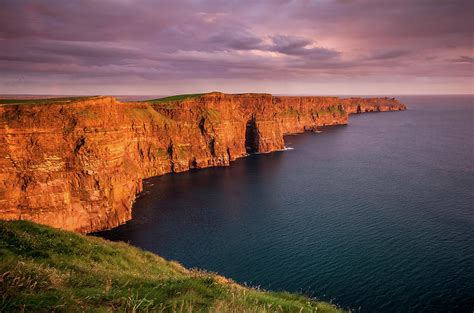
(77, 164)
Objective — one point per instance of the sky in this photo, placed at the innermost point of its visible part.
(319, 47)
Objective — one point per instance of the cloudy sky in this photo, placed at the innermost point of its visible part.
(280, 46)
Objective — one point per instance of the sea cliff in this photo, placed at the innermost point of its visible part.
(78, 164)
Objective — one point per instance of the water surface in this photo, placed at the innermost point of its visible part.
(377, 216)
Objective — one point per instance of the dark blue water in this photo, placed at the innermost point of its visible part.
(377, 216)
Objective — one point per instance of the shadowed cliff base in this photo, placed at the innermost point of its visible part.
(77, 163)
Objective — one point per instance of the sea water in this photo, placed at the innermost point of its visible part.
(376, 216)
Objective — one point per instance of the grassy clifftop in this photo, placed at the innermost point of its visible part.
(16, 101)
(174, 98)
(44, 269)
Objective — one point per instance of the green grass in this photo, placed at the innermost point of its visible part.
(43, 101)
(43, 269)
(174, 98)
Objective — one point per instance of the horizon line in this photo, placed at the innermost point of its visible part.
(276, 94)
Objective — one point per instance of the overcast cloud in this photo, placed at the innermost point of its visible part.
(303, 47)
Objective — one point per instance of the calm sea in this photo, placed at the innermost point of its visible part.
(377, 216)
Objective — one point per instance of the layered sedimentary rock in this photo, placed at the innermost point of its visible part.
(78, 164)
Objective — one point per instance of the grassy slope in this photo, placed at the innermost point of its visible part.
(44, 269)
(174, 98)
(43, 101)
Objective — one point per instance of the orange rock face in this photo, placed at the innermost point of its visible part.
(78, 165)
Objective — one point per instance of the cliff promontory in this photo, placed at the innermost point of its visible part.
(77, 164)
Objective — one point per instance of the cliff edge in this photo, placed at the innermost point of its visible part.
(77, 163)
(51, 270)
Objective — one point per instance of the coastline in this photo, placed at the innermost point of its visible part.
(78, 164)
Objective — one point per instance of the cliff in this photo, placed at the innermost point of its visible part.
(78, 163)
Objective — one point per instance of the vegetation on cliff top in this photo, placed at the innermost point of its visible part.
(44, 269)
(174, 98)
(44, 101)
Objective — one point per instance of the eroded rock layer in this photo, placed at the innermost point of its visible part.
(78, 165)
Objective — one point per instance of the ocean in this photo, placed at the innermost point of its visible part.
(376, 216)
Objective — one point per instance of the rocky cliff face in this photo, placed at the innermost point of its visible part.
(78, 165)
